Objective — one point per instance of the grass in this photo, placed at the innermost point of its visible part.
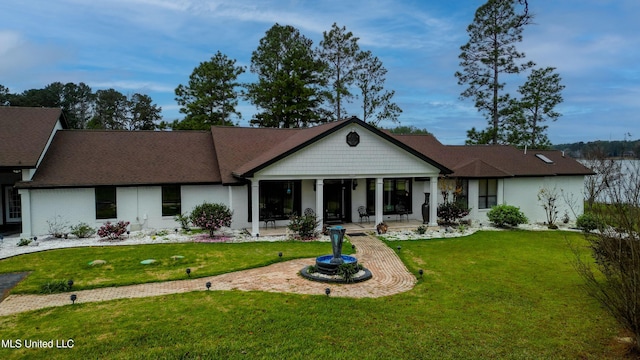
(123, 262)
(509, 295)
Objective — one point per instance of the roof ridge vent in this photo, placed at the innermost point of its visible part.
(544, 158)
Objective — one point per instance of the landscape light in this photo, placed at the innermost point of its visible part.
(208, 285)
(73, 298)
(35, 238)
(70, 283)
(280, 254)
(188, 272)
(327, 291)
(399, 247)
(421, 272)
(176, 230)
(353, 247)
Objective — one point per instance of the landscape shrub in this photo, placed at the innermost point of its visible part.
(421, 229)
(502, 215)
(58, 227)
(211, 216)
(304, 227)
(113, 231)
(588, 222)
(82, 230)
(24, 242)
(452, 212)
(55, 286)
(184, 220)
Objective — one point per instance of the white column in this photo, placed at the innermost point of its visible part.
(255, 207)
(433, 201)
(25, 204)
(379, 206)
(320, 202)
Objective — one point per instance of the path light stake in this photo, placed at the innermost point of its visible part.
(421, 272)
(188, 272)
(176, 230)
(327, 291)
(208, 285)
(35, 238)
(280, 255)
(353, 247)
(399, 247)
(70, 283)
(73, 298)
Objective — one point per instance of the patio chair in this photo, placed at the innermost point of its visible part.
(269, 218)
(401, 210)
(362, 211)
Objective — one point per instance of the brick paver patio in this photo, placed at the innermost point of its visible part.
(390, 277)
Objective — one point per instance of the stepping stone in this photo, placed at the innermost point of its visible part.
(148, 261)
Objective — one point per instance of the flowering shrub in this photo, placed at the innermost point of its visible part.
(451, 212)
(211, 216)
(305, 227)
(113, 231)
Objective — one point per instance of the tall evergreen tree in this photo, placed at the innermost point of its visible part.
(110, 110)
(340, 50)
(376, 102)
(210, 98)
(490, 53)
(539, 96)
(142, 114)
(289, 87)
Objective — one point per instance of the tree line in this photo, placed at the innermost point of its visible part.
(85, 109)
(298, 85)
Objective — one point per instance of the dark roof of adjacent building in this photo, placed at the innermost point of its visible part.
(24, 133)
(79, 158)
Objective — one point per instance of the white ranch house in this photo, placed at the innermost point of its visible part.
(264, 175)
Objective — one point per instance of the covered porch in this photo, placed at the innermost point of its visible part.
(361, 202)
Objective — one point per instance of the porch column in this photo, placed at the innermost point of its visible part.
(379, 192)
(25, 204)
(433, 201)
(320, 202)
(255, 207)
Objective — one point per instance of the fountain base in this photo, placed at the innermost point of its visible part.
(326, 270)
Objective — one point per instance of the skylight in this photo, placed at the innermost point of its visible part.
(544, 158)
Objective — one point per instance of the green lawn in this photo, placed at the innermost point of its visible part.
(123, 262)
(510, 295)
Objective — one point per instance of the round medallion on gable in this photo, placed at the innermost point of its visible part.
(353, 139)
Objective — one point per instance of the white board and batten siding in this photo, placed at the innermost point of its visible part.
(331, 157)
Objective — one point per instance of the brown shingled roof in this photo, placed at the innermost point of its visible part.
(89, 158)
(24, 132)
(476, 161)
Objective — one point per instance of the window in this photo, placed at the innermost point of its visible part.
(279, 199)
(488, 190)
(106, 202)
(14, 204)
(396, 195)
(171, 200)
(461, 193)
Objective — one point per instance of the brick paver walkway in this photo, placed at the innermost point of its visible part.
(390, 277)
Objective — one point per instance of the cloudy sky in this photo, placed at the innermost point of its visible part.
(152, 46)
